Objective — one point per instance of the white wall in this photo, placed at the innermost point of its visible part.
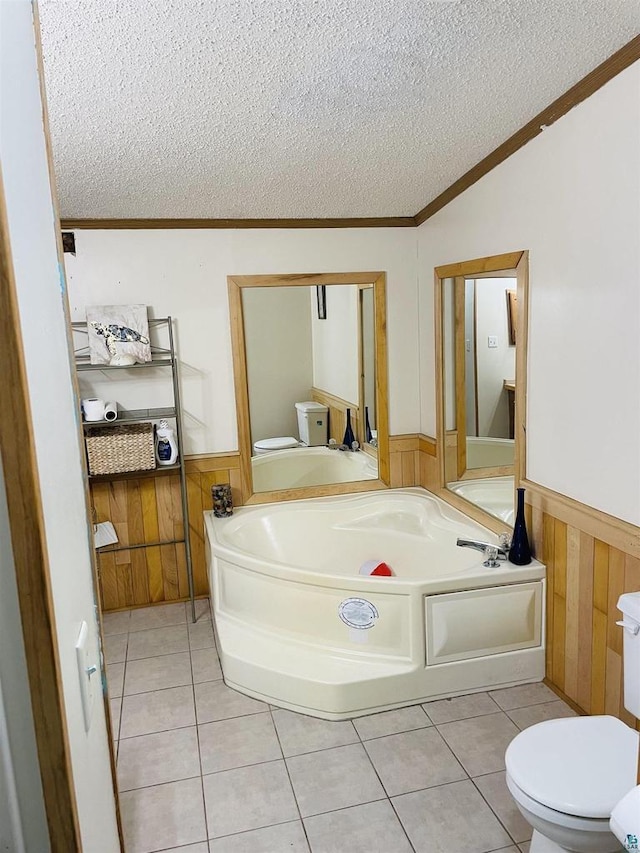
(571, 197)
(493, 364)
(183, 273)
(41, 300)
(335, 344)
(277, 325)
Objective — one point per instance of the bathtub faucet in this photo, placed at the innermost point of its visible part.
(492, 553)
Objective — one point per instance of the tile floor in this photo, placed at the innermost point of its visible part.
(204, 769)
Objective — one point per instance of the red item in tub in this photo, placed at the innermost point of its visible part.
(376, 568)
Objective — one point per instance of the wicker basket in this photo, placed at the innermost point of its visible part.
(127, 447)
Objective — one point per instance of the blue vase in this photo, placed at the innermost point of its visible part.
(520, 552)
(367, 428)
(349, 437)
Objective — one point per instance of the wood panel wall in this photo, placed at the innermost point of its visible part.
(148, 509)
(591, 560)
(338, 414)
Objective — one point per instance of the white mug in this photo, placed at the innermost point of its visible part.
(93, 409)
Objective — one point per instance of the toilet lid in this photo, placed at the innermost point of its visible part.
(281, 443)
(580, 766)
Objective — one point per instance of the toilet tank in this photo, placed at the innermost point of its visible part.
(629, 604)
(313, 423)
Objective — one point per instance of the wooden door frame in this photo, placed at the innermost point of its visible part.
(28, 540)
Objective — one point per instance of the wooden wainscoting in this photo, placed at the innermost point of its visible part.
(404, 460)
(148, 509)
(338, 414)
(591, 558)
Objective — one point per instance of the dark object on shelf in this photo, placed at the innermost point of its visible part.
(114, 450)
(367, 427)
(349, 437)
(321, 297)
(222, 500)
(520, 552)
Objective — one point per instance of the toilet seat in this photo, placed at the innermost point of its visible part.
(280, 443)
(578, 767)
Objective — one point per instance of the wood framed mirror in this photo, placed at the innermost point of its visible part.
(481, 340)
(331, 329)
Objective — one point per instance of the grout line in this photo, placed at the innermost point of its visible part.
(494, 812)
(293, 790)
(253, 829)
(195, 711)
(388, 798)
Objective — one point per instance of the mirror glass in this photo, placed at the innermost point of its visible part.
(479, 341)
(311, 384)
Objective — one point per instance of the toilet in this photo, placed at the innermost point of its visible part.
(313, 428)
(566, 776)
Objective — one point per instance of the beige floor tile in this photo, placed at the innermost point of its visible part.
(283, 837)
(450, 819)
(158, 711)
(157, 673)
(115, 679)
(248, 798)
(115, 707)
(201, 635)
(369, 828)
(205, 665)
(162, 817)
(116, 623)
(524, 717)
(525, 847)
(201, 847)
(238, 742)
(413, 760)
(203, 610)
(494, 789)
(391, 722)
(160, 616)
(158, 758)
(115, 648)
(333, 779)
(158, 641)
(525, 694)
(479, 743)
(299, 734)
(216, 701)
(460, 708)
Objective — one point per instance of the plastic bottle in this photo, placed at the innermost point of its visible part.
(166, 445)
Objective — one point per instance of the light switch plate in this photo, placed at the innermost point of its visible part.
(88, 673)
(492, 341)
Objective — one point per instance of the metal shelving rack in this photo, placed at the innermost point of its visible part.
(160, 357)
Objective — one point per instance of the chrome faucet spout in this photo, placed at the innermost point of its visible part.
(482, 546)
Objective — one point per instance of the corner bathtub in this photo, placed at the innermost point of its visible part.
(310, 466)
(298, 626)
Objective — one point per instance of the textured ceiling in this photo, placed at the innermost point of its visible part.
(300, 108)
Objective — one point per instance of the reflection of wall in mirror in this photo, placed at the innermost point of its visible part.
(335, 344)
(497, 363)
(277, 323)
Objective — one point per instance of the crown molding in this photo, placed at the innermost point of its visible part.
(586, 87)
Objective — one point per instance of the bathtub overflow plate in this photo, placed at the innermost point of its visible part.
(357, 613)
